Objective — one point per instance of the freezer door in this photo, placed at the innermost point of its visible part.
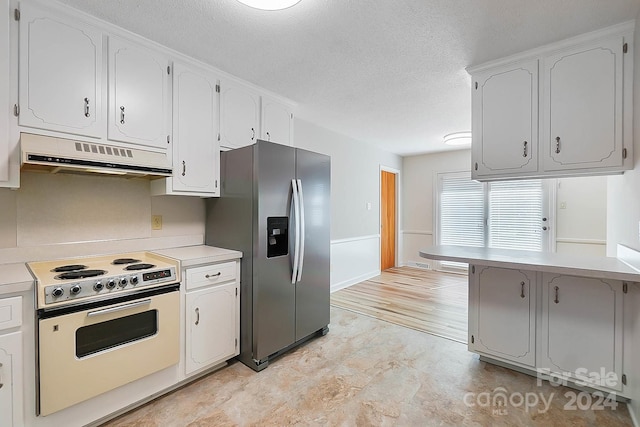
(274, 295)
(313, 172)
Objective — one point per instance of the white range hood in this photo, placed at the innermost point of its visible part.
(66, 155)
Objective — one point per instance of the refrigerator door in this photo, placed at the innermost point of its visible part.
(274, 296)
(313, 171)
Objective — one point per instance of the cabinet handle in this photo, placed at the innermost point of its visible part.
(209, 276)
(184, 168)
(253, 134)
(122, 114)
(525, 149)
(197, 316)
(557, 145)
(544, 228)
(521, 289)
(1, 383)
(86, 107)
(556, 300)
(268, 137)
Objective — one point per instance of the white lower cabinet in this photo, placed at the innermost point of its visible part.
(502, 314)
(212, 315)
(566, 327)
(582, 329)
(11, 388)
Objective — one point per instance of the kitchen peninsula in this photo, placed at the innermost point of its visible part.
(552, 315)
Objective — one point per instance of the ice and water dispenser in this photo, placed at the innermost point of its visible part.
(277, 236)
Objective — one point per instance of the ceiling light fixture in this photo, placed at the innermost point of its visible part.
(269, 4)
(458, 138)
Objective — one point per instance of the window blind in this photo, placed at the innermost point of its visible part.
(515, 212)
(461, 217)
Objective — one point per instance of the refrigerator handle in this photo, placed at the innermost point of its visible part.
(301, 229)
(296, 215)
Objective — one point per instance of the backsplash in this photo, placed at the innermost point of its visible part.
(62, 209)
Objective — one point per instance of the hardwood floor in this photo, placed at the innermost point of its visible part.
(425, 300)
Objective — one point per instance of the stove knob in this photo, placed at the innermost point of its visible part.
(134, 280)
(111, 284)
(98, 286)
(57, 292)
(123, 282)
(75, 289)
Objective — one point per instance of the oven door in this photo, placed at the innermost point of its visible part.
(88, 352)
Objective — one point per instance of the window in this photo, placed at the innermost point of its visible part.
(505, 215)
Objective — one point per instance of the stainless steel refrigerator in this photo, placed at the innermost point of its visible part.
(275, 208)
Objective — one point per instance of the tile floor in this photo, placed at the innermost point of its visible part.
(367, 372)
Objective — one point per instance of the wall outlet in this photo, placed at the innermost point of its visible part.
(156, 222)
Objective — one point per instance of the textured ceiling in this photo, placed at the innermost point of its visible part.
(386, 72)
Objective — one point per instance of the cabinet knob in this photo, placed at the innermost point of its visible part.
(268, 137)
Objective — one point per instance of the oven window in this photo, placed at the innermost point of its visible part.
(112, 333)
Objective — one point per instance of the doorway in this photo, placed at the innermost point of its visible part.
(388, 218)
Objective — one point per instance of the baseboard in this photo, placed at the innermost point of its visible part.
(354, 280)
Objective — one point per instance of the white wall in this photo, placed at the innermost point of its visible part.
(623, 207)
(418, 174)
(580, 225)
(355, 181)
(581, 215)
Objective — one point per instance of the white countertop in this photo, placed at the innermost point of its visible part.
(15, 278)
(190, 256)
(590, 266)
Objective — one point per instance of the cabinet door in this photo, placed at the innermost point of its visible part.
(582, 328)
(505, 120)
(277, 122)
(60, 73)
(502, 314)
(11, 379)
(212, 326)
(138, 94)
(5, 94)
(582, 103)
(239, 115)
(196, 153)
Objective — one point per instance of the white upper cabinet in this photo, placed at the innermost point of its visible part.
(277, 121)
(583, 92)
(196, 151)
(9, 160)
(582, 102)
(505, 118)
(60, 73)
(138, 94)
(239, 115)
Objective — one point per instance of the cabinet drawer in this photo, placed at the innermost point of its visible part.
(210, 275)
(10, 312)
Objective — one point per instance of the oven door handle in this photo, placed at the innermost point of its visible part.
(118, 308)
